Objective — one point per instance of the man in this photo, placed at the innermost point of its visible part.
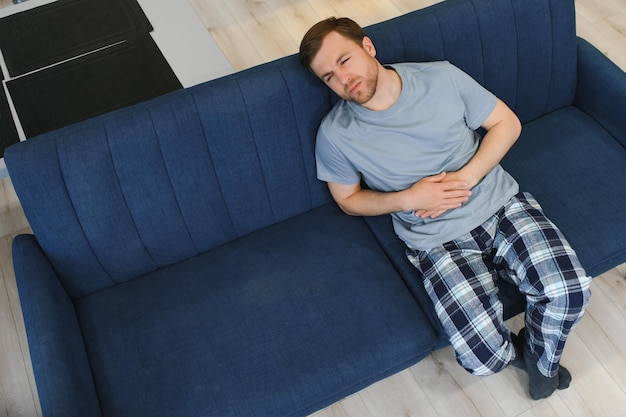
(408, 132)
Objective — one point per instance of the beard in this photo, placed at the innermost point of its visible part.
(367, 89)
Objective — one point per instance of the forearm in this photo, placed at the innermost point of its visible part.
(493, 148)
(501, 135)
(429, 193)
(371, 203)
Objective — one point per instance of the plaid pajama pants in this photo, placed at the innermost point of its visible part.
(520, 245)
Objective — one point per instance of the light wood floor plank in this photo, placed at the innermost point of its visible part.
(12, 216)
(376, 10)
(473, 387)
(229, 32)
(351, 406)
(442, 390)
(510, 389)
(557, 404)
(322, 8)
(345, 8)
(296, 17)
(544, 409)
(398, 396)
(406, 6)
(264, 32)
(604, 37)
(17, 392)
(596, 10)
(593, 391)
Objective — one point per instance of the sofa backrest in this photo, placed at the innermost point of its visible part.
(118, 196)
(121, 195)
(524, 51)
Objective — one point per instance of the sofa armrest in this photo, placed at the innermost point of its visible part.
(601, 90)
(62, 372)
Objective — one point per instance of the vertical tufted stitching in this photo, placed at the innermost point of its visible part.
(301, 140)
(119, 184)
(517, 73)
(552, 56)
(256, 148)
(235, 152)
(212, 163)
(480, 41)
(175, 196)
(402, 42)
(96, 256)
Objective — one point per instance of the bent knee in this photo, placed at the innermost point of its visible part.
(570, 298)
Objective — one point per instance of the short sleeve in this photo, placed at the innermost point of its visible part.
(479, 102)
(332, 164)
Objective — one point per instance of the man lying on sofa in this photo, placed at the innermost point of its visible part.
(408, 131)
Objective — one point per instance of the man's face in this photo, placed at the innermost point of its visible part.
(348, 69)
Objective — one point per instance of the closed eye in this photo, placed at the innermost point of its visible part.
(341, 61)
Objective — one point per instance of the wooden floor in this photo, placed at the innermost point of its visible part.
(251, 32)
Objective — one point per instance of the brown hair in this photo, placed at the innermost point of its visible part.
(312, 40)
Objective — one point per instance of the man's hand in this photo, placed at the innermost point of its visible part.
(430, 196)
(440, 193)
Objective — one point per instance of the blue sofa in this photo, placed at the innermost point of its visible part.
(186, 262)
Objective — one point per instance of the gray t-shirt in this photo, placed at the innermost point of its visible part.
(430, 129)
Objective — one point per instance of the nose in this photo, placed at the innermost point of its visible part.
(344, 77)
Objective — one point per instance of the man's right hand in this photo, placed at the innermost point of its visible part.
(433, 196)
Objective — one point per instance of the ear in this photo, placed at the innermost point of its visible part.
(368, 45)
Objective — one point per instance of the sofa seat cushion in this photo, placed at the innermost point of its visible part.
(281, 322)
(568, 162)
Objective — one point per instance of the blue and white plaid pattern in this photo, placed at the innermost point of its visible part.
(518, 244)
